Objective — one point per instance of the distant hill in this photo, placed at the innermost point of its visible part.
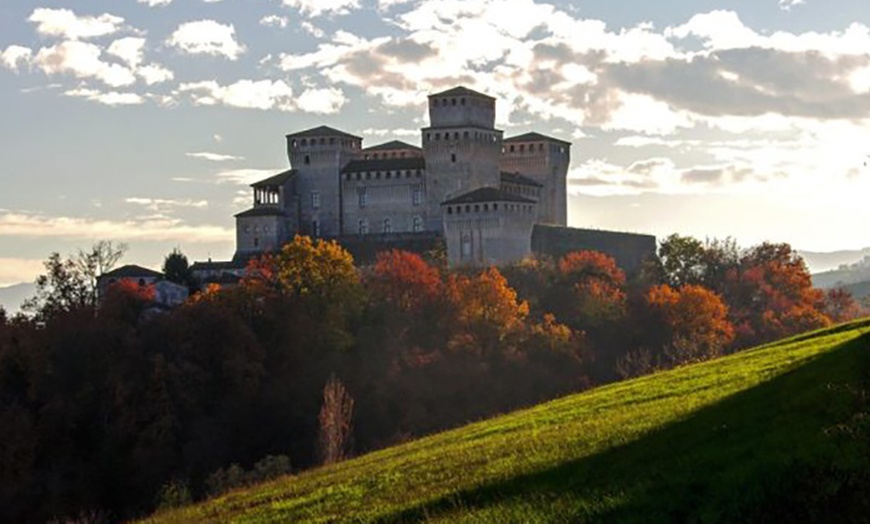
(12, 296)
(818, 262)
(774, 434)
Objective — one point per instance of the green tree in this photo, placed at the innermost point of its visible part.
(176, 268)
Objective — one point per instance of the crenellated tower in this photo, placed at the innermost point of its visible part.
(461, 146)
(545, 160)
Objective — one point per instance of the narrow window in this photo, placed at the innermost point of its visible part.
(453, 157)
(307, 160)
(315, 200)
(417, 225)
(417, 196)
(388, 225)
(363, 227)
(315, 228)
(363, 198)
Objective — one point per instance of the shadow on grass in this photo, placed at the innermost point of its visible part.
(778, 452)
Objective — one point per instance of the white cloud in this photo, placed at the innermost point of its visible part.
(111, 98)
(275, 21)
(786, 5)
(159, 205)
(207, 37)
(130, 50)
(644, 114)
(82, 60)
(66, 24)
(214, 157)
(154, 74)
(261, 94)
(323, 7)
(27, 225)
(153, 3)
(322, 101)
(15, 56)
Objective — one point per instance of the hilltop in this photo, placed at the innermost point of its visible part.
(775, 433)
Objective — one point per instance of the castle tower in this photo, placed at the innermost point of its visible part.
(462, 148)
(545, 160)
(317, 156)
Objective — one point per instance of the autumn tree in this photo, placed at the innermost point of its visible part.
(487, 311)
(840, 306)
(695, 322)
(403, 281)
(589, 291)
(770, 295)
(336, 422)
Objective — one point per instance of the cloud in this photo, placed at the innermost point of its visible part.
(154, 74)
(27, 225)
(110, 98)
(321, 101)
(66, 24)
(275, 21)
(207, 37)
(153, 3)
(130, 50)
(265, 95)
(786, 5)
(16, 270)
(214, 157)
(159, 205)
(15, 56)
(82, 60)
(323, 7)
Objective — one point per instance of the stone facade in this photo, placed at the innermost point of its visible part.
(481, 194)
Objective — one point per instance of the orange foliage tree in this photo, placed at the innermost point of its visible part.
(589, 291)
(695, 320)
(486, 311)
(840, 306)
(403, 280)
(770, 295)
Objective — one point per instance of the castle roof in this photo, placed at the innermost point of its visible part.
(394, 144)
(486, 194)
(261, 211)
(461, 91)
(322, 131)
(516, 178)
(534, 137)
(384, 164)
(132, 271)
(276, 180)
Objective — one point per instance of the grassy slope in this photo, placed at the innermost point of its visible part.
(739, 438)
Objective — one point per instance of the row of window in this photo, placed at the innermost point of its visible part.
(346, 142)
(444, 102)
(363, 197)
(387, 225)
(521, 148)
(368, 175)
(466, 135)
(520, 190)
(392, 154)
(257, 229)
(477, 208)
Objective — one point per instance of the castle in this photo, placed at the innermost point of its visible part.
(488, 198)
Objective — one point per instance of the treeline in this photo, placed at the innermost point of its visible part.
(109, 410)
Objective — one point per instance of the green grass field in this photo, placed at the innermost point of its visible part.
(775, 434)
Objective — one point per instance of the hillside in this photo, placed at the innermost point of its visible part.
(771, 434)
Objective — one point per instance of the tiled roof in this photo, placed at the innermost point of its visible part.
(486, 194)
(132, 271)
(534, 137)
(261, 211)
(322, 131)
(394, 144)
(460, 91)
(384, 164)
(516, 178)
(277, 180)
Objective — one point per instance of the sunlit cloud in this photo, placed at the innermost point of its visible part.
(207, 37)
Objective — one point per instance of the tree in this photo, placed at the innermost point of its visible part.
(72, 283)
(176, 268)
(403, 280)
(682, 260)
(336, 422)
(695, 321)
(840, 306)
(589, 292)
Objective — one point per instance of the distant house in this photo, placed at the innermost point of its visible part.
(166, 293)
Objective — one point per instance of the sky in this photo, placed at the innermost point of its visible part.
(144, 121)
